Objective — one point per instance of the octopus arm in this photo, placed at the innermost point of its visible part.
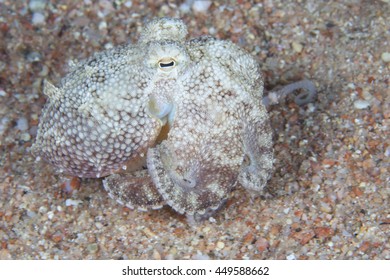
(95, 122)
(198, 192)
(134, 190)
(308, 95)
(257, 140)
(197, 166)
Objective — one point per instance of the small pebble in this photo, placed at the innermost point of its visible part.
(262, 244)
(38, 19)
(57, 237)
(50, 215)
(44, 72)
(22, 124)
(4, 125)
(99, 225)
(323, 232)
(148, 232)
(92, 248)
(185, 7)
(220, 245)
(31, 214)
(387, 152)
(25, 137)
(37, 5)
(297, 47)
(194, 242)
(324, 207)
(201, 6)
(156, 255)
(128, 4)
(42, 209)
(361, 104)
(200, 256)
(386, 57)
(34, 56)
(291, 257)
(206, 229)
(71, 202)
(102, 25)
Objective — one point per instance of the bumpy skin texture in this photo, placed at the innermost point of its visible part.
(110, 116)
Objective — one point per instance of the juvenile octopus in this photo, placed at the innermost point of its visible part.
(165, 121)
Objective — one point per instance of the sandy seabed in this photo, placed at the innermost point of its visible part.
(329, 195)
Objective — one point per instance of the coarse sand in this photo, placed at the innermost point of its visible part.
(329, 195)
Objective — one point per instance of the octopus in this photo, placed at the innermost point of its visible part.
(164, 121)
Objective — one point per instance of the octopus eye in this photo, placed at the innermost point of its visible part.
(167, 64)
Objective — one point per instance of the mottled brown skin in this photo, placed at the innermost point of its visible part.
(107, 118)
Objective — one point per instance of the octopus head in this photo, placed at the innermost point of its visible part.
(164, 29)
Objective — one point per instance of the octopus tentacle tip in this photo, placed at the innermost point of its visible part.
(307, 96)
